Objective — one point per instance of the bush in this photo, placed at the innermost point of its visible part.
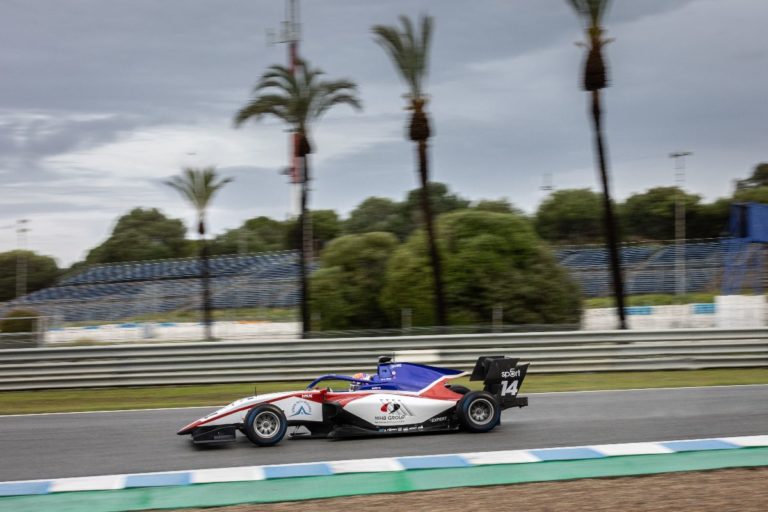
(42, 272)
(19, 320)
(489, 259)
(345, 291)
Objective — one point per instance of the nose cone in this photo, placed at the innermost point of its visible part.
(188, 428)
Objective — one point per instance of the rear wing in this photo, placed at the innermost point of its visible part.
(503, 377)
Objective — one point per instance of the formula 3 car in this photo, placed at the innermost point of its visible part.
(399, 398)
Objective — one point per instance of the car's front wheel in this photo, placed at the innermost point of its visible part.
(478, 411)
(265, 425)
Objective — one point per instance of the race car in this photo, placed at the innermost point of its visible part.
(399, 398)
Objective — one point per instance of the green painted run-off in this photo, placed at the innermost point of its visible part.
(291, 489)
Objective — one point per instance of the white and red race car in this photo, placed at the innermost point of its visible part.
(399, 398)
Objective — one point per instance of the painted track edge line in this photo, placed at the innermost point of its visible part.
(349, 484)
(391, 464)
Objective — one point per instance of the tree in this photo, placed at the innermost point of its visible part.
(402, 218)
(298, 100)
(491, 260)
(197, 187)
(410, 53)
(260, 234)
(651, 215)
(595, 78)
(570, 215)
(142, 234)
(752, 195)
(347, 286)
(325, 226)
(710, 220)
(496, 205)
(441, 201)
(20, 321)
(42, 272)
(759, 178)
(378, 214)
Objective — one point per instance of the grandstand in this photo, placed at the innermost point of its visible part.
(648, 268)
(745, 250)
(124, 290)
(729, 265)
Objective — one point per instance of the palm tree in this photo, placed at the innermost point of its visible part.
(595, 78)
(198, 186)
(410, 53)
(298, 100)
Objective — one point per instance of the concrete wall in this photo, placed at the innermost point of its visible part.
(730, 311)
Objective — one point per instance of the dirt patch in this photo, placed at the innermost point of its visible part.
(743, 489)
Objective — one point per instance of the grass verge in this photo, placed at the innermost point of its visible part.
(103, 399)
(653, 299)
(235, 314)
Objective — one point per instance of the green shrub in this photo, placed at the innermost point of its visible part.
(345, 291)
(489, 260)
(19, 320)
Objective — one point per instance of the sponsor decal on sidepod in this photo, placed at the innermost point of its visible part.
(393, 410)
(301, 408)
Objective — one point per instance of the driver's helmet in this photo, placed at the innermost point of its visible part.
(359, 376)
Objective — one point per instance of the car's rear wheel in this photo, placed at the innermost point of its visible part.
(265, 425)
(478, 411)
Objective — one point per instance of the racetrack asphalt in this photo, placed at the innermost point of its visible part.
(68, 445)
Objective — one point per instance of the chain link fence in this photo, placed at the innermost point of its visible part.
(24, 331)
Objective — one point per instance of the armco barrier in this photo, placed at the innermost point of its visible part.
(255, 361)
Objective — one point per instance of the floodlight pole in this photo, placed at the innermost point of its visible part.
(680, 282)
(290, 33)
(21, 257)
(547, 184)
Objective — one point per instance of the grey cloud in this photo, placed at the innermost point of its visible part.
(57, 132)
(686, 74)
(255, 190)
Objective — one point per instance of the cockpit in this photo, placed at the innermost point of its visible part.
(391, 375)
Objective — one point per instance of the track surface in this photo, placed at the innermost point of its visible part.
(67, 445)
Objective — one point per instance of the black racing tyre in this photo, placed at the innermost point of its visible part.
(265, 425)
(478, 411)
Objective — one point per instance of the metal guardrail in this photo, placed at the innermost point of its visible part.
(259, 361)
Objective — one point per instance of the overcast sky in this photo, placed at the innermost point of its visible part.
(102, 100)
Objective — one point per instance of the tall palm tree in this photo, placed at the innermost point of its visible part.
(595, 78)
(298, 99)
(410, 52)
(198, 186)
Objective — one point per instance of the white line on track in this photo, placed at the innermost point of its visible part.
(525, 394)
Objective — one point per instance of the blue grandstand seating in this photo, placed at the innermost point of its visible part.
(116, 291)
(111, 292)
(170, 269)
(598, 257)
(647, 268)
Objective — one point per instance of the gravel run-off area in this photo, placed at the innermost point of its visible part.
(742, 489)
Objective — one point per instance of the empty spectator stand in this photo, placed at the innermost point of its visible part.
(647, 268)
(124, 290)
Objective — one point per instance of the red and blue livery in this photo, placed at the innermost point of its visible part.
(398, 398)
